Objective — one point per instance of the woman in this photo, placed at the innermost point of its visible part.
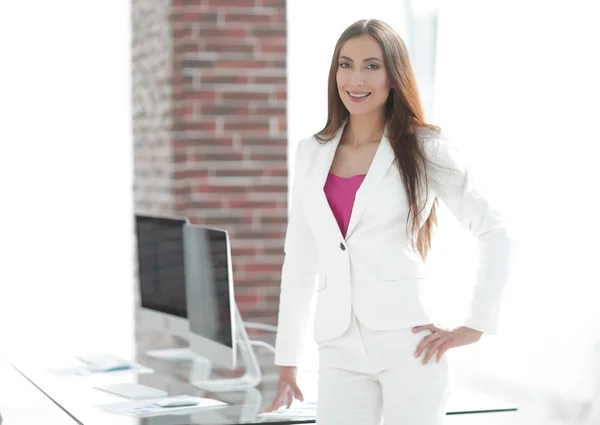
(363, 209)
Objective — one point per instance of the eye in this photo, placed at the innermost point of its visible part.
(344, 64)
(372, 66)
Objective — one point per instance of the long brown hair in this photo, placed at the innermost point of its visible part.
(404, 120)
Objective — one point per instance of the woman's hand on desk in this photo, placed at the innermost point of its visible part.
(441, 340)
(287, 389)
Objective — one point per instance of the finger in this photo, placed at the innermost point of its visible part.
(297, 393)
(429, 327)
(432, 349)
(274, 406)
(277, 401)
(289, 399)
(425, 342)
(442, 350)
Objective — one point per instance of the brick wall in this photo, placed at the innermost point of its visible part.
(222, 159)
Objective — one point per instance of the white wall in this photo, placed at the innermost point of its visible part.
(65, 174)
(518, 89)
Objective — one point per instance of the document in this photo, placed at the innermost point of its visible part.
(149, 407)
(297, 410)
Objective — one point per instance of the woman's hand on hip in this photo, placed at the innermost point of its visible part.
(287, 389)
(441, 340)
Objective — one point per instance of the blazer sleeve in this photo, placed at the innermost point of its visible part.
(298, 276)
(453, 183)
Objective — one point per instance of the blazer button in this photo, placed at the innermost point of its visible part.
(342, 247)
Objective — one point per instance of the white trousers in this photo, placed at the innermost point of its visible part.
(368, 376)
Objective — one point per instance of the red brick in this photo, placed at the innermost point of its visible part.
(268, 157)
(224, 79)
(246, 125)
(243, 64)
(252, 235)
(276, 172)
(186, 47)
(272, 48)
(195, 173)
(268, 79)
(194, 16)
(273, 3)
(243, 18)
(200, 95)
(230, 4)
(183, 111)
(248, 296)
(238, 252)
(225, 220)
(196, 64)
(279, 17)
(223, 33)
(224, 156)
(263, 142)
(238, 172)
(273, 251)
(280, 94)
(224, 110)
(244, 96)
(204, 205)
(270, 188)
(183, 34)
(271, 31)
(210, 125)
(259, 267)
(206, 140)
(221, 190)
(183, 191)
(268, 219)
(228, 48)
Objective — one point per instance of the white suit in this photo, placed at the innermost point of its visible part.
(371, 283)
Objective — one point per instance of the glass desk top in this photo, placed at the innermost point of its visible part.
(76, 395)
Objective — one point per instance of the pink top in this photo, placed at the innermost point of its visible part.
(340, 193)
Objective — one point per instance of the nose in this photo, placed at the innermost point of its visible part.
(357, 78)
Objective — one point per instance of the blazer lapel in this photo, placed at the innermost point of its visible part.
(318, 207)
(383, 159)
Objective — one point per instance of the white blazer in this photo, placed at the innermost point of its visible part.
(373, 271)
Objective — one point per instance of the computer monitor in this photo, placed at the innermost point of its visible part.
(210, 298)
(216, 327)
(161, 274)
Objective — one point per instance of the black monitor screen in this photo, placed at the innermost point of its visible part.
(161, 268)
(209, 290)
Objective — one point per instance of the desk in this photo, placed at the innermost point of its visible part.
(21, 403)
(75, 393)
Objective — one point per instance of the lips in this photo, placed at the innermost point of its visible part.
(356, 95)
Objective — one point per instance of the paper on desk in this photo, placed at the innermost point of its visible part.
(299, 410)
(87, 370)
(149, 407)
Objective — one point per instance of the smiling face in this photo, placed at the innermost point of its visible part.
(362, 80)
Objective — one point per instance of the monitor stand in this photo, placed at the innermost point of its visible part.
(252, 373)
(183, 353)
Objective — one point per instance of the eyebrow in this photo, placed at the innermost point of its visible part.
(372, 58)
